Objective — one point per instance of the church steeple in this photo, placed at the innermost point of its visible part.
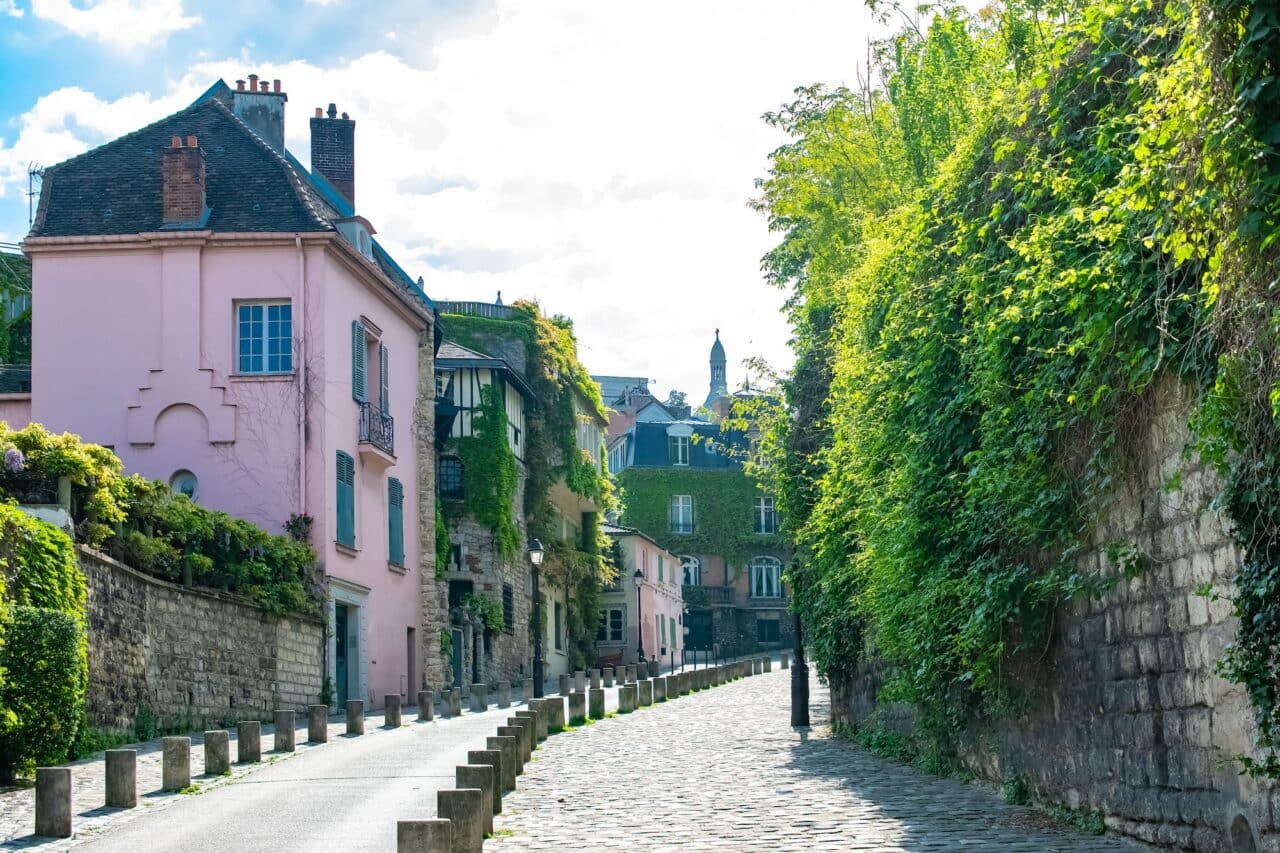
(719, 384)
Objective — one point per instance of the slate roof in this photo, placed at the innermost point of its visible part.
(647, 446)
(451, 354)
(116, 189)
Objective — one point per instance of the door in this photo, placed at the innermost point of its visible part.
(340, 655)
(699, 625)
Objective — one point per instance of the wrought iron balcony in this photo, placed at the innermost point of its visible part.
(377, 429)
(696, 595)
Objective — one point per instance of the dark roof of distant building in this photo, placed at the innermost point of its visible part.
(618, 530)
(648, 446)
(612, 388)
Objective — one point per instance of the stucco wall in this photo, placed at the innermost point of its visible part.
(196, 658)
(1125, 714)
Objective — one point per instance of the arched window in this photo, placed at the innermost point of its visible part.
(766, 577)
(692, 570)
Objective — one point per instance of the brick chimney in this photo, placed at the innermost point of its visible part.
(183, 182)
(262, 108)
(333, 150)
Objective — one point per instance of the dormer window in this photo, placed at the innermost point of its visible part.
(358, 232)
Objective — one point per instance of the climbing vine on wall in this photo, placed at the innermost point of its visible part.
(489, 473)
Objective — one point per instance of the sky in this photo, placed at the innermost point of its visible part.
(596, 156)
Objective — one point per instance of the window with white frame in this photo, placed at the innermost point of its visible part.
(681, 513)
(618, 457)
(264, 337)
(612, 624)
(766, 577)
(766, 516)
(691, 568)
(679, 447)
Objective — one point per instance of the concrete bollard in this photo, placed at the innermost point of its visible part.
(722, 675)
(607, 677)
(644, 695)
(479, 776)
(516, 733)
(757, 667)
(391, 711)
(595, 680)
(768, 664)
(580, 681)
(540, 712)
(577, 708)
(659, 690)
(479, 697)
(553, 707)
(626, 698)
(248, 741)
(122, 777)
(566, 685)
(655, 667)
(526, 689)
(509, 747)
(455, 702)
(528, 735)
(175, 763)
(217, 753)
(426, 706)
(595, 703)
(317, 724)
(630, 671)
(531, 718)
(504, 694)
(355, 716)
(784, 660)
(493, 758)
(284, 731)
(465, 810)
(424, 836)
(53, 802)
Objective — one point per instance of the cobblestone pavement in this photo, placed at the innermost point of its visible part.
(723, 770)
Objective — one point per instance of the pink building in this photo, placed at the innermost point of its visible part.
(224, 321)
(644, 609)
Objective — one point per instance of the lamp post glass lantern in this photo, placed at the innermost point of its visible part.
(639, 578)
(535, 559)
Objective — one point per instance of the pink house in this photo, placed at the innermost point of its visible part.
(225, 322)
(644, 609)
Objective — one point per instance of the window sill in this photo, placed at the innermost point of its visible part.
(346, 549)
(396, 567)
(263, 377)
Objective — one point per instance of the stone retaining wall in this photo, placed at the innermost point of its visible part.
(1125, 712)
(195, 657)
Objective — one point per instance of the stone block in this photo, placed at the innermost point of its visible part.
(455, 702)
(517, 734)
(526, 689)
(465, 810)
(509, 746)
(479, 697)
(175, 763)
(53, 802)
(317, 723)
(630, 673)
(595, 677)
(493, 758)
(659, 689)
(580, 681)
(479, 776)
(607, 677)
(122, 777)
(503, 690)
(248, 741)
(355, 716)
(626, 698)
(768, 664)
(528, 735)
(553, 706)
(653, 668)
(577, 708)
(566, 684)
(284, 731)
(595, 703)
(391, 711)
(644, 692)
(217, 752)
(784, 660)
(424, 836)
(531, 717)
(538, 707)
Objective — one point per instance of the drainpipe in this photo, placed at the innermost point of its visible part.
(302, 376)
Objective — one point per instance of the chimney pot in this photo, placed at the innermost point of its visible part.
(275, 86)
(333, 110)
(253, 82)
(345, 116)
(177, 141)
(191, 141)
(239, 85)
(319, 113)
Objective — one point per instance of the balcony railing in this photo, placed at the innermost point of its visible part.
(678, 526)
(377, 429)
(696, 595)
(477, 309)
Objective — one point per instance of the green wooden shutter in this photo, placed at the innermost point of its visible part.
(359, 373)
(395, 520)
(383, 400)
(346, 500)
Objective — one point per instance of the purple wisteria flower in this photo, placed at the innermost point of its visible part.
(13, 461)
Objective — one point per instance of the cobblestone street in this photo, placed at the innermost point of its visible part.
(723, 770)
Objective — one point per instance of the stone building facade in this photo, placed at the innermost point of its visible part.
(1126, 714)
(194, 657)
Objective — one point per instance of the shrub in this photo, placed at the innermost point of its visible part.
(39, 564)
(46, 674)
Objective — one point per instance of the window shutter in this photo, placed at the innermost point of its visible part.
(395, 520)
(359, 389)
(383, 399)
(346, 500)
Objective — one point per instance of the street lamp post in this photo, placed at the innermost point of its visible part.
(535, 558)
(639, 578)
(799, 680)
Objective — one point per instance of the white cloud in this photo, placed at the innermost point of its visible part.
(596, 157)
(121, 24)
(10, 8)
